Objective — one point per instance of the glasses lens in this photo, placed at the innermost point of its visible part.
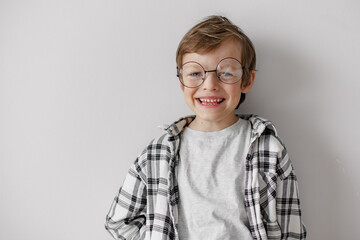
(229, 70)
(192, 74)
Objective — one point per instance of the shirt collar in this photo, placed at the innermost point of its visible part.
(258, 124)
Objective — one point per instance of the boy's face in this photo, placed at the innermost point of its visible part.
(214, 102)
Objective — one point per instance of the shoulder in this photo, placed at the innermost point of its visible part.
(269, 148)
(164, 147)
(263, 130)
(157, 146)
(155, 155)
(270, 141)
(160, 152)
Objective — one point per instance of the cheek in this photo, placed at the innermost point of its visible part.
(189, 93)
(234, 91)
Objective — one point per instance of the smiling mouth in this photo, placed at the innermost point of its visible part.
(210, 102)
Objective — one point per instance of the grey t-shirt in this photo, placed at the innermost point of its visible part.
(211, 177)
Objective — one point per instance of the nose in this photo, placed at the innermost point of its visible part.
(211, 81)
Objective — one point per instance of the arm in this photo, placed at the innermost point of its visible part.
(288, 209)
(127, 216)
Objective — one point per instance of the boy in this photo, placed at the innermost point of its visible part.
(215, 175)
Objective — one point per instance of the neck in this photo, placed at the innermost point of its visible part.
(212, 126)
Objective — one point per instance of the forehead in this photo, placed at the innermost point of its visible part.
(211, 58)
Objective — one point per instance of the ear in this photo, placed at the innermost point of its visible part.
(247, 88)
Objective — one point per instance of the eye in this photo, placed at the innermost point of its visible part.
(194, 75)
(226, 74)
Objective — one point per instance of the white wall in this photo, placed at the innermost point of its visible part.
(83, 85)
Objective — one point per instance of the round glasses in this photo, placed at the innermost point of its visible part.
(228, 70)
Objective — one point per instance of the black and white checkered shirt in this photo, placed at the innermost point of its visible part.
(147, 204)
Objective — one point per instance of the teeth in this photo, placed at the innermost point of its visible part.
(211, 100)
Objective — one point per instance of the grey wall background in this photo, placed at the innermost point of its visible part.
(83, 85)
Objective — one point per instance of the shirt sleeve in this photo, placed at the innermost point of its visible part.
(288, 209)
(127, 216)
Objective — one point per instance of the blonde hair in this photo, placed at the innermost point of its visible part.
(210, 34)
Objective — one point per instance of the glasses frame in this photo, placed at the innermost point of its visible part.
(207, 71)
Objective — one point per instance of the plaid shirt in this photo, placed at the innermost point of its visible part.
(147, 204)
